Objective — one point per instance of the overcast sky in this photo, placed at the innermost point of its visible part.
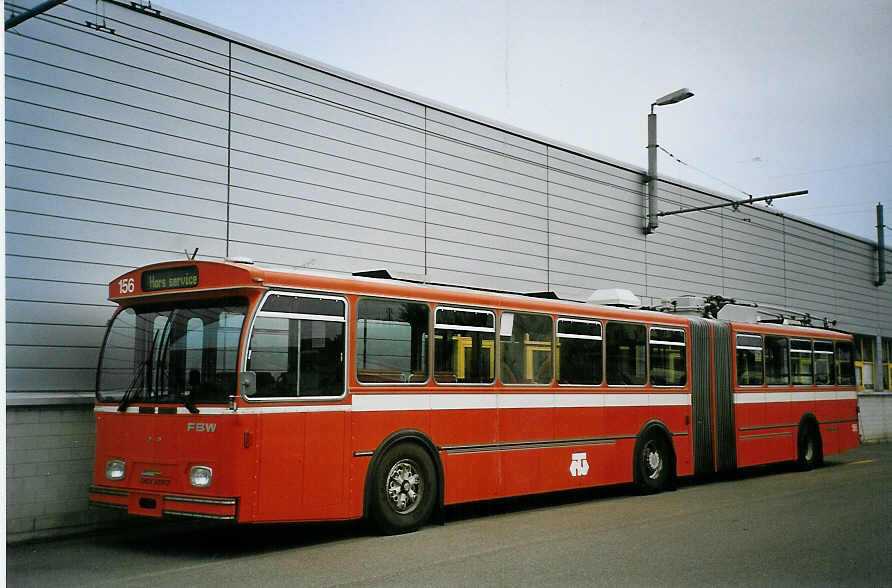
(789, 94)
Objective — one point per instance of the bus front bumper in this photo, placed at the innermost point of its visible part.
(157, 504)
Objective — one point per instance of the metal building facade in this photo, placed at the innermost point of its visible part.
(143, 136)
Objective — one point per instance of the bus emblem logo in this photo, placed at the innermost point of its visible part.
(579, 465)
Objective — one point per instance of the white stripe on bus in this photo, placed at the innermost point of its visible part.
(393, 402)
(793, 396)
(492, 401)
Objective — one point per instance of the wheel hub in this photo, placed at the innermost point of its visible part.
(404, 486)
(653, 460)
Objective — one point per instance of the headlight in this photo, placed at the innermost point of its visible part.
(200, 476)
(115, 469)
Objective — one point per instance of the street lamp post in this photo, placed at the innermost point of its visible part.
(652, 204)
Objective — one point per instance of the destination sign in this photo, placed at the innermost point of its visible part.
(170, 278)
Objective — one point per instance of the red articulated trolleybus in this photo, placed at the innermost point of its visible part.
(230, 391)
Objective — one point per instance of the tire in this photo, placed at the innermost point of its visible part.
(404, 489)
(654, 463)
(810, 452)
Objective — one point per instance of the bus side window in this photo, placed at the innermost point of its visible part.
(825, 373)
(845, 363)
(668, 361)
(626, 354)
(579, 351)
(750, 370)
(801, 362)
(297, 347)
(777, 360)
(525, 346)
(392, 341)
(464, 346)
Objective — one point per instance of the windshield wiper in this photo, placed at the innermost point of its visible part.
(137, 382)
(161, 364)
(163, 372)
(187, 401)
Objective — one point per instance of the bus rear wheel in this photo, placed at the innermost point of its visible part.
(654, 463)
(404, 489)
(810, 454)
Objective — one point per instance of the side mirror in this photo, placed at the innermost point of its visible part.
(247, 382)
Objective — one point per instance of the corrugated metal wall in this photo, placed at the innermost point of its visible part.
(116, 156)
(129, 148)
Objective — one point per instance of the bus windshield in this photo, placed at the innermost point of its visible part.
(175, 353)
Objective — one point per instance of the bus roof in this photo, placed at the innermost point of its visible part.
(192, 277)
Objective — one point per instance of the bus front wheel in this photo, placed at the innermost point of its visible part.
(404, 489)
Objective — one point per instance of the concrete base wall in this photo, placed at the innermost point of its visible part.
(49, 467)
(875, 417)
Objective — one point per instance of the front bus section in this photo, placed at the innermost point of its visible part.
(221, 393)
(168, 441)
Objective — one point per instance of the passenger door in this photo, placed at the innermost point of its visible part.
(297, 351)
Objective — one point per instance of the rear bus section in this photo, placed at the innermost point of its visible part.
(794, 394)
(767, 393)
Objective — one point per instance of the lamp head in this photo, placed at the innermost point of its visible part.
(673, 97)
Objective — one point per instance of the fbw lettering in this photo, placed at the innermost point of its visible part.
(201, 427)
